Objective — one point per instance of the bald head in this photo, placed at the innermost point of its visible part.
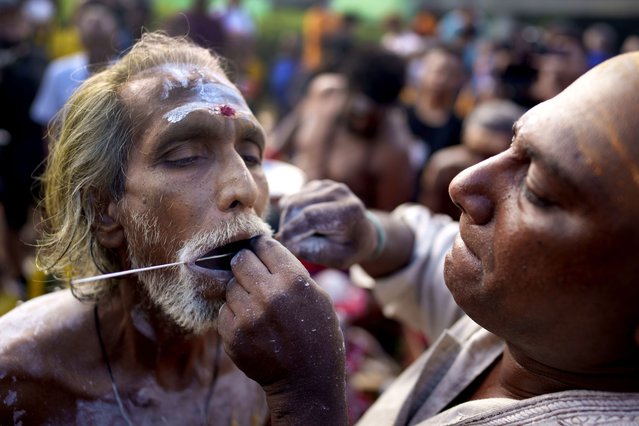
(598, 112)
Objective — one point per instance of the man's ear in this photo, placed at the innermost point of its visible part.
(108, 229)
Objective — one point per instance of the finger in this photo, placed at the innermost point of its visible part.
(237, 297)
(226, 323)
(276, 257)
(246, 307)
(249, 271)
(314, 192)
(331, 218)
(254, 271)
(322, 250)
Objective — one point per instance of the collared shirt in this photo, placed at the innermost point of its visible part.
(432, 382)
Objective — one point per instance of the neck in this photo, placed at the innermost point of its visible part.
(520, 376)
(141, 338)
(433, 109)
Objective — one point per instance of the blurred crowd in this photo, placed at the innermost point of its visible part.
(395, 117)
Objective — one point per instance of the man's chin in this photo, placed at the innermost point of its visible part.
(191, 304)
(195, 317)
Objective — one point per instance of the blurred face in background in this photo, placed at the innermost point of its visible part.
(14, 27)
(98, 28)
(442, 73)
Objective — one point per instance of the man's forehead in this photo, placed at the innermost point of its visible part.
(163, 80)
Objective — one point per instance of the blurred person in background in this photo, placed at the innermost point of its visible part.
(202, 27)
(350, 128)
(459, 29)
(98, 27)
(512, 60)
(340, 44)
(600, 43)
(134, 17)
(561, 61)
(431, 116)
(41, 14)
(22, 149)
(285, 75)
(398, 39)
(238, 23)
(486, 131)
(630, 44)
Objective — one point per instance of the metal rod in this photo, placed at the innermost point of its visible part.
(146, 268)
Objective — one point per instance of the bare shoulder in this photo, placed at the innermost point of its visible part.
(45, 347)
(43, 325)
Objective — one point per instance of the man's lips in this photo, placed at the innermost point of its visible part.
(220, 257)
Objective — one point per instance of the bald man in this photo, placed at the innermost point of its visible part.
(541, 269)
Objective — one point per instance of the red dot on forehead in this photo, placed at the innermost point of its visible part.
(227, 111)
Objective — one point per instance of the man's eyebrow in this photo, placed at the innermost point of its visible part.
(254, 133)
(516, 126)
(189, 127)
(545, 162)
(550, 165)
(184, 129)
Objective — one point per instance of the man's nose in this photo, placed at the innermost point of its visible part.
(472, 190)
(237, 188)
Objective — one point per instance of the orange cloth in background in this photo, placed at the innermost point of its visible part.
(317, 22)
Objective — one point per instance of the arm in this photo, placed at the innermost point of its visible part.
(326, 224)
(397, 176)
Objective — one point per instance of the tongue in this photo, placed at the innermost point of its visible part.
(221, 256)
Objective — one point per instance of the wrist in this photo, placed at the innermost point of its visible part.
(308, 405)
(380, 232)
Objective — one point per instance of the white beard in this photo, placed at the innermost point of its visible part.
(177, 291)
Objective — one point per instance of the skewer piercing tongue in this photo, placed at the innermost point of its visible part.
(136, 270)
(220, 258)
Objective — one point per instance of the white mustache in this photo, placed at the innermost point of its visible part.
(225, 232)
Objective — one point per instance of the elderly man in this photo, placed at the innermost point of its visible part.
(158, 160)
(543, 263)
